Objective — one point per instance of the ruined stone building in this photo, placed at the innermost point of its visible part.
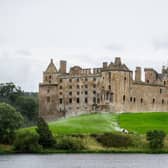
(110, 87)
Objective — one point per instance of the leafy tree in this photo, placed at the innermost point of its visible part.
(27, 142)
(10, 120)
(46, 138)
(156, 139)
(10, 92)
(27, 106)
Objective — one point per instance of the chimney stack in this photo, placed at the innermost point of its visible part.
(104, 64)
(138, 74)
(117, 61)
(62, 67)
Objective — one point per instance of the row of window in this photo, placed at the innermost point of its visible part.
(78, 79)
(133, 99)
(77, 100)
(78, 93)
(78, 86)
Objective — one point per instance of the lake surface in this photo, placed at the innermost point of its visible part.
(84, 161)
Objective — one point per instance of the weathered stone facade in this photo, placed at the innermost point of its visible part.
(108, 88)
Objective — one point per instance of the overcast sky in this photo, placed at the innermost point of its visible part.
(83, 32)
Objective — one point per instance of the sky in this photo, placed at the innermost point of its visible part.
(83, 32)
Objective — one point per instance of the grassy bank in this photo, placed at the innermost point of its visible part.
(142, 122)
(136, 123)
(83, 124)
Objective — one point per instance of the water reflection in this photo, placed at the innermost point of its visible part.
(84, 161)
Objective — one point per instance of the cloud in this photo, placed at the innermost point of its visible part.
(114, 47)
(160, 44)
(23, 52)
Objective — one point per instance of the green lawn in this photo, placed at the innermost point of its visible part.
(108, 122)
(83, 124)
(142, 122)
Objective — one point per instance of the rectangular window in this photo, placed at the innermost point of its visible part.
(86, 92)
(70, 101)
(48, 99)
(60, 100)
(78, 100)
(94, 100)
(70, 93)
(86, 100)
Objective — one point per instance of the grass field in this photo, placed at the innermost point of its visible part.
(83, 124)
(108, 122)
(142, 122)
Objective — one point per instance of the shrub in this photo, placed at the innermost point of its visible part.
(46, 138)
(10, 121)
(155, 139)
(114, 140)
(27, 142)
(69, 143)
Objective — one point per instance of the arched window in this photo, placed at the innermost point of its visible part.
(130, 99)
(141, 100)
(164, 82)
(153, 101)
(160, 90)
(162, 101)
(111, 97)
(124, 98)
(134, 99)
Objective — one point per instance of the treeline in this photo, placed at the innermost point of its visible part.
(25, 103)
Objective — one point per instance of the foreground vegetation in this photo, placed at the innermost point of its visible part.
(95, 133)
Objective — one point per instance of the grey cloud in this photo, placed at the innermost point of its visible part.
(23, 52)
(114, 47)
(160, 44)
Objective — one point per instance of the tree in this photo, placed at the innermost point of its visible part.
(156, 139)
(46, 138)
(27, 106)
(9, 92)
(27, 142)
(10, 120)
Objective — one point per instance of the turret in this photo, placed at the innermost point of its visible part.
(48, 75)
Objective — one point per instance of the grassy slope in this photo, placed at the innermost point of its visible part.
(142, 122)
(86, 124)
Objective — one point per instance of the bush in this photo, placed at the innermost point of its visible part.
(69, 143)
(46, 138)
(114, 140)
(10, 121)
(27, 142)
(155, 139)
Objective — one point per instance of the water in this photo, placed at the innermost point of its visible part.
(84, 161)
